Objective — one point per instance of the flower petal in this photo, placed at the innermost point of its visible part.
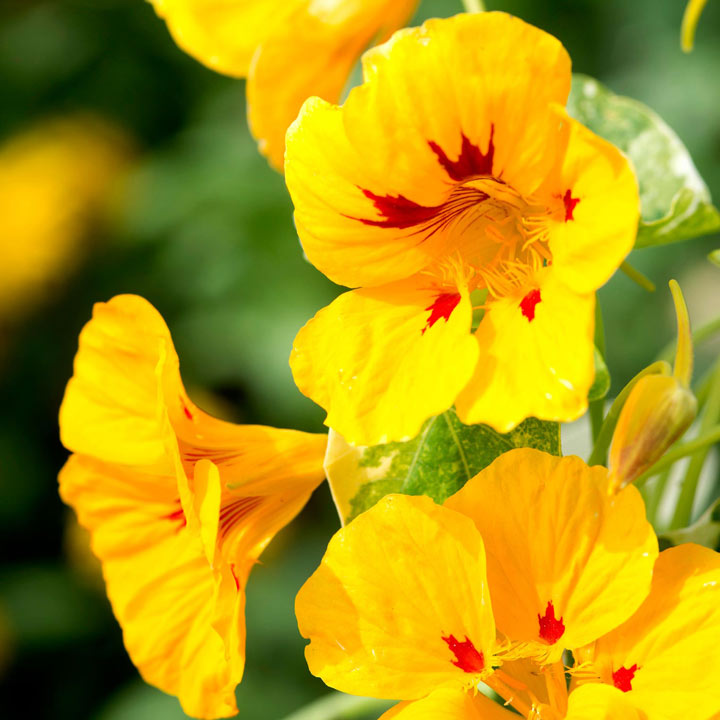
(536, 358)
(601, 702)
(450, 705)
(567, 562)
(162, 589)
(598, 223)
(669, 647)
(372, 182)
(381, 361)
(223, 34)
(399, 605)
(312, 53)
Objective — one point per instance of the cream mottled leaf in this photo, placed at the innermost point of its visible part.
(436, 463)
(675, 201)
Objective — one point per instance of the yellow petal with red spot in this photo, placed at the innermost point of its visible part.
(601, 702)
(162, 589)
(665, 657)
(600, 209)
(379, 184)
(536, 357)
(399, 605)
(311, 53)
(179, 504)
(223, 34)
(450, 705)
(567, 562)
(381, 361)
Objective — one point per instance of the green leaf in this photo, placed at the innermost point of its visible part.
(675, 201)
(706, 531)
(601, 384)
(437, 463)
(714, 257)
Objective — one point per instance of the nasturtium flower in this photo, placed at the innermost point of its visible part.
(179, 504)
(288, 50)
(55, 179)
(453, 179)
(535, 556)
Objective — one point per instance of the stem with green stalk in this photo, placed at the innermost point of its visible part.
(636, 276)
(597, 407)
(340, 707)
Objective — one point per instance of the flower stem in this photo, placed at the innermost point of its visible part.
(474, 6)
(599, 453)
(711, 414)
(340, 707)
(636, 276)
(597, 407)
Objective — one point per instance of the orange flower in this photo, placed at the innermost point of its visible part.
(287, 49)
(453, 180)
(179, 505)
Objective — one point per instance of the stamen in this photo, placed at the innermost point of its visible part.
(551, 628)
(622, 678)
(467, 658)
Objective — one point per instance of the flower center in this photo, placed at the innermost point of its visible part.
(467, 658)
(551, 628)
(622, 678)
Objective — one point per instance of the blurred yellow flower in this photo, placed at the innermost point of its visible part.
(453, 179)
(531, 558)
(54, 180)
(179, 504)
(289, 50)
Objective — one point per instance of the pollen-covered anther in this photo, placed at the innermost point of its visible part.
(467, 657)
(528, 303)
(623, 677)
(551, 628)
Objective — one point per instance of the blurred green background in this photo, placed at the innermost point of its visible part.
(202, 227)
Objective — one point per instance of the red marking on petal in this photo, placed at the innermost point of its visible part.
(236, 510)
(551, 628)
(471, 162)
(443, 306)
(187, 412)
(570, 205)
(235, 577)
(177, 516)
(622, 678)
(528, 303)
(398, 212)
(467, 658)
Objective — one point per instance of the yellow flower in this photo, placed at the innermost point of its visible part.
(179, 504)
(287, 49)
(54, 180)
(533, 557)
(453, 179)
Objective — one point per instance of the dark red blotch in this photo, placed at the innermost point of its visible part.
(472, 162)
(397, 211)
(467, 658)
(551, 628)
(622, 678)
(443, 306)
(570, 203)
(528, 303)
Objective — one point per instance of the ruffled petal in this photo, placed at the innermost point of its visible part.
(450, 705)
(375, 183)
(665, 657)
(399, 605)
(536, 357)
(567, 561)
(601, 702)
(381, 361)
(312, 54)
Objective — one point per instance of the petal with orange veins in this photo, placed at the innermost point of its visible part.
(450, 705)
(375, 182)
(601, 702)
(161, 587)
(567, 562)
(223, 34)
(596, 192)
(383, 360)
(665, 657)
(312, 53)
(399, 605)
(536, 357)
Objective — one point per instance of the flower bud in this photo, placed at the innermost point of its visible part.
(659, 410)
